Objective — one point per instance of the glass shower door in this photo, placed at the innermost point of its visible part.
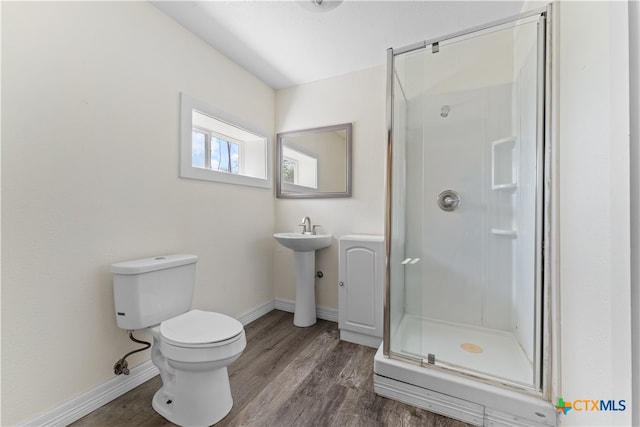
(466, 203)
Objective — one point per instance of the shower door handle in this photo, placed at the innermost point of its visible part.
(448, 200)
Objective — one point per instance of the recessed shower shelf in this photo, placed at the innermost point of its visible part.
(506, 233)
(504, 164)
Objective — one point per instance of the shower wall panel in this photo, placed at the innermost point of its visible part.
(453, 152)
(398, 178)
(524, 285)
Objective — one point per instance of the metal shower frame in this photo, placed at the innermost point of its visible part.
(544, 172)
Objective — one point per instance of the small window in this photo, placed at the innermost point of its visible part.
(224, 155)
(215, 152)
(214, 148)
(198, 149)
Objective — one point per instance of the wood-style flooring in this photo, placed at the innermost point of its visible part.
(288, 376)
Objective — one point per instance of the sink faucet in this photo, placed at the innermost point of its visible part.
(306, 224)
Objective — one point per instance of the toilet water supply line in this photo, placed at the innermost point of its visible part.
(121, 366)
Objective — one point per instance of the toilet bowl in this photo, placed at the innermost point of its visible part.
(192, 352)
(191, 348)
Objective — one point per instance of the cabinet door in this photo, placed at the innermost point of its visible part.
(360, 290)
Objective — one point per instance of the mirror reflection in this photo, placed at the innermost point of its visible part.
(314, 163)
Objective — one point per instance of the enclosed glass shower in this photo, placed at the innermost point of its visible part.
(465, 203)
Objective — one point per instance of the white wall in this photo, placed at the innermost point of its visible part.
(592, 140)
(634, 80)
(90, 114)
(357, 98)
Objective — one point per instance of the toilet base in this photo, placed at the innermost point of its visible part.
(204, 398)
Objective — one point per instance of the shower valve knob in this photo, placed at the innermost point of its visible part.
(448, 200)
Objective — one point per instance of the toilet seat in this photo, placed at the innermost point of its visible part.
(198, 329)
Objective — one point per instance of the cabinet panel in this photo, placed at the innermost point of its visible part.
(361, 276)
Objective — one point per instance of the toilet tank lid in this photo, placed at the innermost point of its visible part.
(144, 265)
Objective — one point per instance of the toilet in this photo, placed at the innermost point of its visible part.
(191, 348)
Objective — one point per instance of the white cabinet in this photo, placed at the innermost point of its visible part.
(361, 289)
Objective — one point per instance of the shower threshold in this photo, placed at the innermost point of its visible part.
(459, 396)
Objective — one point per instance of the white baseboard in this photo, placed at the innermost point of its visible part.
(256, 313)
(76, 408)
(323, 313)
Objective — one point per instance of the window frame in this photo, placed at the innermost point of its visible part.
(187, 105)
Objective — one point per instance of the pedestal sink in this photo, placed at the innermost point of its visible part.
(304, 248)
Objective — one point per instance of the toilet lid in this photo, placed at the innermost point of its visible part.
(200, 327)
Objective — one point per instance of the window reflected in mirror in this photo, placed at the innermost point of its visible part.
(299, 168)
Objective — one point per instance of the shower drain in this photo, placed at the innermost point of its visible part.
(471, 348)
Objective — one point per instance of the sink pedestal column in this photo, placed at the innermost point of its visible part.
(304, 247)
(305, 310)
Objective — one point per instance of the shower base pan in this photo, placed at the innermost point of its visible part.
(489, 351)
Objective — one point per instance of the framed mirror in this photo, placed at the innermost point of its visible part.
(314, 163)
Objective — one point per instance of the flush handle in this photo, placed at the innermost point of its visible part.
(448, 200)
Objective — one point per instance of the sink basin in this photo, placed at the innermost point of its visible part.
(303, 242)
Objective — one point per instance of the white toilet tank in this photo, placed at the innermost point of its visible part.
(150, 290)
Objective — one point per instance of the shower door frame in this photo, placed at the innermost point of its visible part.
(543, 269)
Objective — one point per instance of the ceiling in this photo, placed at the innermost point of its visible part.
(288, 43)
